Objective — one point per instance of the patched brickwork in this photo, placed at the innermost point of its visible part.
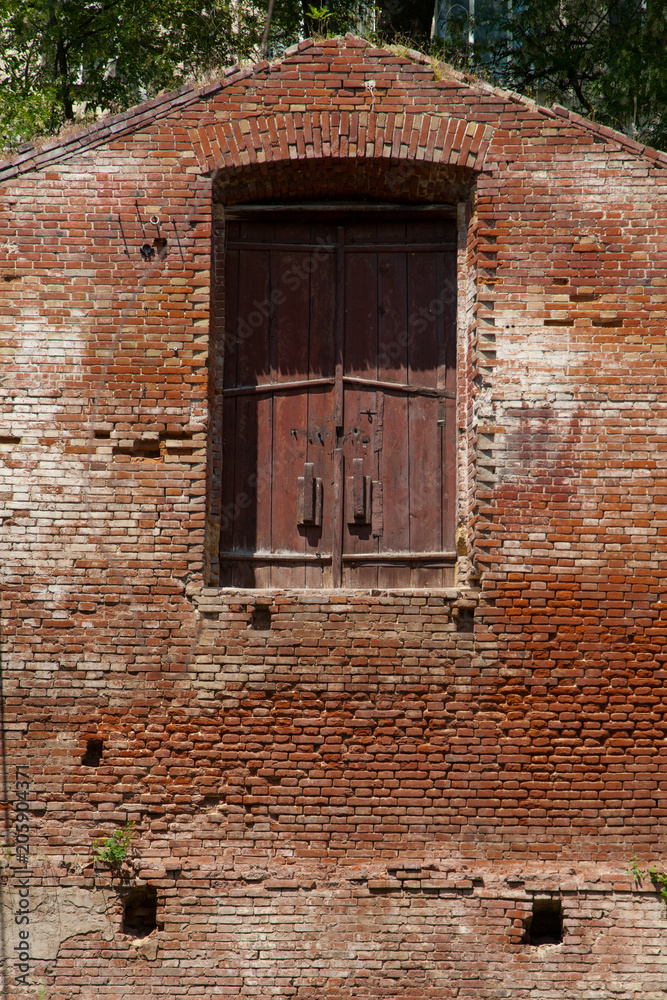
(341, 793)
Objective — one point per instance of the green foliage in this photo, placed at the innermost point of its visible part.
(72, 60)
(657, 876)
(114, 849)
(63, 60)
(338, 17)
(318, 14)
(606, 59)
(634, 869)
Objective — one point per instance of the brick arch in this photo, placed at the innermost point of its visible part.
(415, 156)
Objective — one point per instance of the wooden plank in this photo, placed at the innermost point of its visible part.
(244, 499)
(277, 557)
(449, 429)
(229, 412)
(357, 248)
(254, 449)
(227, 488)
(338, 208)
(425, 458)
(254, 302)
(262, 476)
(396, 247)
(441, 558)
(268, 387)
(425, 485)
(290, 325)
(232, 265)
(321, 439)
(392, 368)
(374, 383)
(360, 406)
(290, 433)
(339, 360)
(358, 447)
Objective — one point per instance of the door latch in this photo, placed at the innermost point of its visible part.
(363, 498)
(309, 496)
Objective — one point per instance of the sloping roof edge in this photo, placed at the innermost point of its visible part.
(32, 157)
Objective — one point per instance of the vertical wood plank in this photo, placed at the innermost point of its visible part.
(425, 458)
(262, 477)
(321, 438)
(339, 359)
(290, 334)
(393, 336)
(449, 431)
(360, 360)
(229, 409)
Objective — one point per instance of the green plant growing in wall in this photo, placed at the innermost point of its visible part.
(319, 16)
(113, 850)
(657, 876)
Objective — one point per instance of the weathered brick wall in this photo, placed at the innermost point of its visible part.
(363, 798)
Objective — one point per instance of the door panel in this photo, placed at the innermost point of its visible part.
(360, 412)
(394, 475)
(388, 452)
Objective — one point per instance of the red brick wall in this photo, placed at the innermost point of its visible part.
(364, 799)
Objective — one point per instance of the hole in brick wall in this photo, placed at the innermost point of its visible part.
(93, 755)
(260, 619)
(546, 922)
(140, 911)
(465, 621)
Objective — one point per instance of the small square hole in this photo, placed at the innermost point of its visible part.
(140, 911)
(93, 755)
(465, 621)
(260, 619)
(545, 924)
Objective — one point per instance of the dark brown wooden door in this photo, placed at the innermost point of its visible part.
(338, 403)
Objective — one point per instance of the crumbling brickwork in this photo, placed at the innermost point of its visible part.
(336, 793)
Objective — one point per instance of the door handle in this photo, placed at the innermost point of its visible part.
(361, 493)
(309, 495)
(363, 498)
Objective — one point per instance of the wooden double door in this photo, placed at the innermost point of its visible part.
(339, 401)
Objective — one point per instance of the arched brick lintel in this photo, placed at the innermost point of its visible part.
(228, 146)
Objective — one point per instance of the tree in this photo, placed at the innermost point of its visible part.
(604, 58)
(63, 60)
(67, 59)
